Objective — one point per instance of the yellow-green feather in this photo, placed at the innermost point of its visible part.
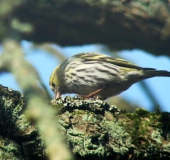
(54, 77)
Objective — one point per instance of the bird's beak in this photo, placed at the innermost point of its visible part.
(57, 95)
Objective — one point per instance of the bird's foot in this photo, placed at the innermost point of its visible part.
(93, 95)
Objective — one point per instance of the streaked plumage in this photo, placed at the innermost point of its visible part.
(92, 74)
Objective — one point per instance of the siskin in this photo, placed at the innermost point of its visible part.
(90, 74)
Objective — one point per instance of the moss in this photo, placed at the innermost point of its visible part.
(10, 149)
(15, 126)
(97, 123)
(156, 135)
(139, 112)
(93, 129)
(142, 122)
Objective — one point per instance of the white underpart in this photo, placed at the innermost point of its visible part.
(93, 78)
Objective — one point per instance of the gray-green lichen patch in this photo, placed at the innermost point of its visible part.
(34, 148)
(90, 126)
(10, 150)
(119, 139)
(95, 128)
(157, 136)
(13, 122)
(166, 147)
(95, 105)
(23, 139)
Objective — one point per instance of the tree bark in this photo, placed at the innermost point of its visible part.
(93, 129)
(122, 24)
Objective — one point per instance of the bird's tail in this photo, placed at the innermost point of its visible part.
(149, 72)
(145, 73)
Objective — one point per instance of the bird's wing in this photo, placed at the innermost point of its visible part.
(91, 56)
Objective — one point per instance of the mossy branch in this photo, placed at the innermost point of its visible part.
(93, 129)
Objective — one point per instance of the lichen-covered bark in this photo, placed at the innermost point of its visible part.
(121, 24)
(96, 129)
(18, 138)
(93, 129)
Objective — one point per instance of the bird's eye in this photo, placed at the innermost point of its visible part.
(53, 84)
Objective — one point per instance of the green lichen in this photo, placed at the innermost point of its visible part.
(10, 149)
(156, 135)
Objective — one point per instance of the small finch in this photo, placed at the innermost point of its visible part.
(93, 74)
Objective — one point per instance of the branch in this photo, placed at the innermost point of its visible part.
(93, 129)
(125, 24)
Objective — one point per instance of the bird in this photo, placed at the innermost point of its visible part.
(92, 74)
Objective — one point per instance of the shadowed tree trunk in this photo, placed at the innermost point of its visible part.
(121, 24)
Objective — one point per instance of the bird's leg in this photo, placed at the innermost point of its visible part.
(92, 94)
